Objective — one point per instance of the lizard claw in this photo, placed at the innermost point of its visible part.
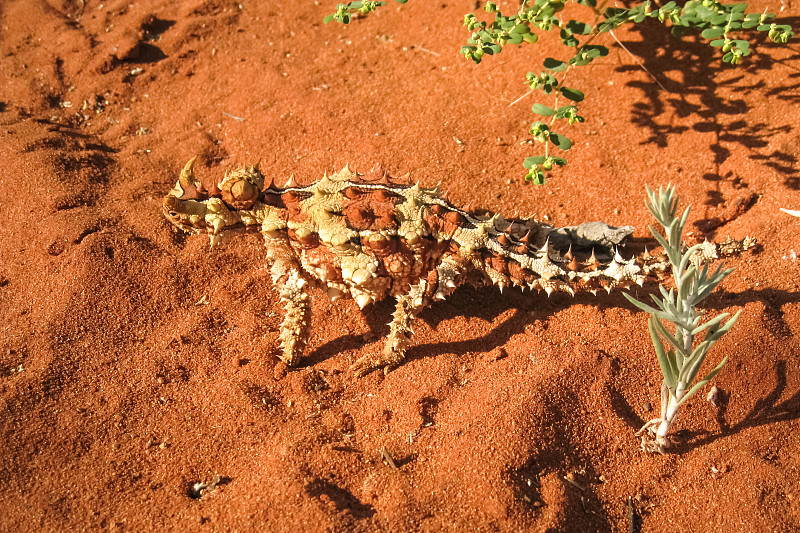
(368, 363)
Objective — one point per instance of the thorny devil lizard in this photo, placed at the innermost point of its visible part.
(365, 237)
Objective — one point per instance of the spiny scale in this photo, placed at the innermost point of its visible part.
(366, 238)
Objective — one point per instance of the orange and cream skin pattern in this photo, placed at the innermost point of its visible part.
(367, 238)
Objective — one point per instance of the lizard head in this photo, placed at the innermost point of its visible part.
(185, 206)
(194, 209)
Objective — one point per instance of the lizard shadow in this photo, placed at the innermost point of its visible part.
(482, 303)
(472, 303)
(486, 304)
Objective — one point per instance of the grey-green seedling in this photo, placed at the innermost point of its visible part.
(675, 322)
(583, 43)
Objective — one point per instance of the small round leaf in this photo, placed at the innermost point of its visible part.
(521, 29)
(531, 162)
(713, 33)
(541, 109)
(560, 141)
(554, 64)
(573, 94)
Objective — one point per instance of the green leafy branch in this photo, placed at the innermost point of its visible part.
(714, 20)
(344, 12)
(678, 357)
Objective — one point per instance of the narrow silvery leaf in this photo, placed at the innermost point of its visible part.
(667, 335)
(661, 240)
(684, 281)
(693, 363)
(703, 381)
(667, 367)
(685, 215)
(687, 257)
(713, 322)
(728, 325)
(641, 305)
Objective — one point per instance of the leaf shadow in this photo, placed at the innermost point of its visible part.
(683, 92)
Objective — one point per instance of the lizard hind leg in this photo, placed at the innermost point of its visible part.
(408, 305)
(297, 319)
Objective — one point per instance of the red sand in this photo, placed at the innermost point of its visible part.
(135, 362)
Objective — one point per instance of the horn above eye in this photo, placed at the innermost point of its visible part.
(188, 188)
(186, 179)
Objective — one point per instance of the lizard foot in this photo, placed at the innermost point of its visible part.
(367, 363)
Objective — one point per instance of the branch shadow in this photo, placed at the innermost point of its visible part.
(696, 100)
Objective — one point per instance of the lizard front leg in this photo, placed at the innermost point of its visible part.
(408, 305)
(286, 275)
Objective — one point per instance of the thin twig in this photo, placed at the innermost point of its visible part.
(641, 65)
(574, 483)
(520, 98)
(240, 119)
(388, 458)
(418, 47)
(633, 522)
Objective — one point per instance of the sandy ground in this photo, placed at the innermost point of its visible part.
(136, 363)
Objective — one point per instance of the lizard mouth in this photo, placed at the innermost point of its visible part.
(180, 213)
(191, 217)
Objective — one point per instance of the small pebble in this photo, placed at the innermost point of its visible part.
(713, 396)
